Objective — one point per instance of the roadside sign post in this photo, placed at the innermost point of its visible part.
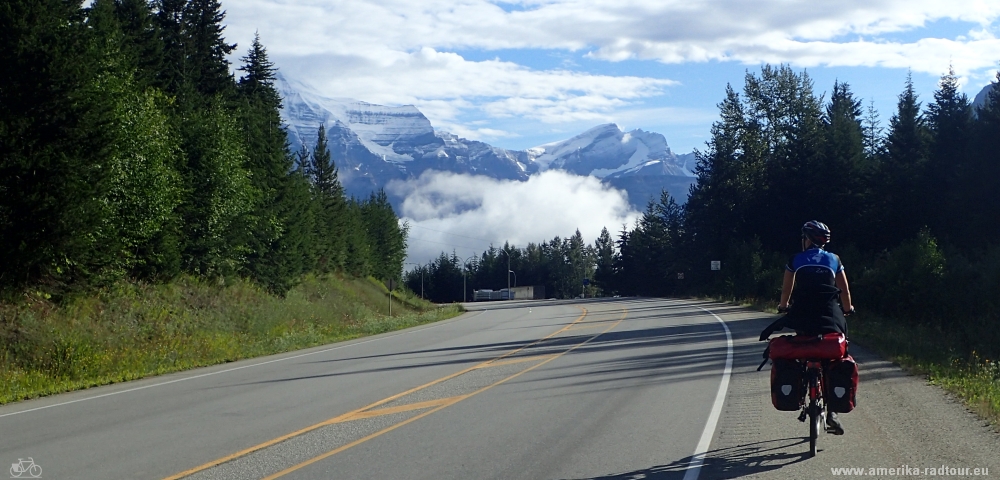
(392, 286)
(583, 294)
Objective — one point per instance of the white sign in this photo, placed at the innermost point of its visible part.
(716, 265)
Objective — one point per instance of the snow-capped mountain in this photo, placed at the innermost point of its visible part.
(607, 151)
(374, 144)
(980, 99)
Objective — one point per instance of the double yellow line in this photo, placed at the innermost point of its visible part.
(434, 405)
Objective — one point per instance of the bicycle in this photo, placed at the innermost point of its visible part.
(815, 410)
(823, 351)
(25, 466)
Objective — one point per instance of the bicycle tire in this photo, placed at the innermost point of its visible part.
(814, 419)
(35, 471)
(14, 473)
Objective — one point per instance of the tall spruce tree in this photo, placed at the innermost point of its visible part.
(274, 261)
(898, 180)
(54, 142)
(949, 119)
(846, 167)
(332, 220)
(206, 68)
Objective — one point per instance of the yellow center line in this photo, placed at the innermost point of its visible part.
(442, 407)
(533, 358)
(341, 418)
(402, 408)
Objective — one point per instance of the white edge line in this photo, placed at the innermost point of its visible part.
(698, 459)
(228, 369)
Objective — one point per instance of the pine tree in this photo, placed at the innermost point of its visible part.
(141, 42)
(333, 219)
(897, 182)
(604, 276)
(949, 119)
(978, 181)
(207, 68)
(386, 236)
(274, 261)
(845, 161)
(53, 141)
(169, 24)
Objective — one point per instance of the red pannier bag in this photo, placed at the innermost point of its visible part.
(829, 346)
(788, 388)
(840, 385)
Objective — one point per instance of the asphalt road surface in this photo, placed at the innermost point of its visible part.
(601, 389)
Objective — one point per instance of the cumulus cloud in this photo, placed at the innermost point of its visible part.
(804, 31)
(444, 84)
(405, 52)
(466, 213)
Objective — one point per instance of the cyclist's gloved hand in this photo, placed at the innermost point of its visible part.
(849, 312)
(782, 309)
(766, 333)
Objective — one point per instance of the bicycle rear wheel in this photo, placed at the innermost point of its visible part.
(814, 428)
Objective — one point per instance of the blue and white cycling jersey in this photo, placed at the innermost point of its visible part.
(817, 260)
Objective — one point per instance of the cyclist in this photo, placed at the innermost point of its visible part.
(815, 294)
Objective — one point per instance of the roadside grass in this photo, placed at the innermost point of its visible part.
(929, 352)
(133, 330)
(938, 356)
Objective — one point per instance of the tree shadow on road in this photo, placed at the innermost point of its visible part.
(721, 464)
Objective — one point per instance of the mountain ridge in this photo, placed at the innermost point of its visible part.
(375, 144)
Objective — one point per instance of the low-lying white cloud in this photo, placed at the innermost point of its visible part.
(464, 213)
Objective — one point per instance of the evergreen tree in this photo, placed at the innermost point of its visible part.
(207, 68)
(949, 119)
(897, 182)
(386, 237)
(219, 197)
(273, 261)
(978, 181)
(169, 25)
(332, 222)
(141, 42)
(53, 141)
(846, 168)
(604, 276)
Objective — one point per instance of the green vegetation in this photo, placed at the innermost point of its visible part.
(138, 176)
(937, 355)
(130, 331)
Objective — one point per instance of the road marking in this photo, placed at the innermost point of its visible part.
(533, 358)
(698, 459)
(402, 408)
(442, 407)
(589, 325)
(95, 397)
(340, 418)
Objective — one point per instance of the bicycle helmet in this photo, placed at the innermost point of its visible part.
(817, 232)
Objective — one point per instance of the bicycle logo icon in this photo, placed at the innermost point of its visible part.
(25, 469)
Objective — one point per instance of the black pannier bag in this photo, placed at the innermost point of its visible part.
(840, 383)
(788, 389)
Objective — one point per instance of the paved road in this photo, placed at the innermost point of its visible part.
(614, 389)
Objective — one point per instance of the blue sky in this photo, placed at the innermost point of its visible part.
(522, 73)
